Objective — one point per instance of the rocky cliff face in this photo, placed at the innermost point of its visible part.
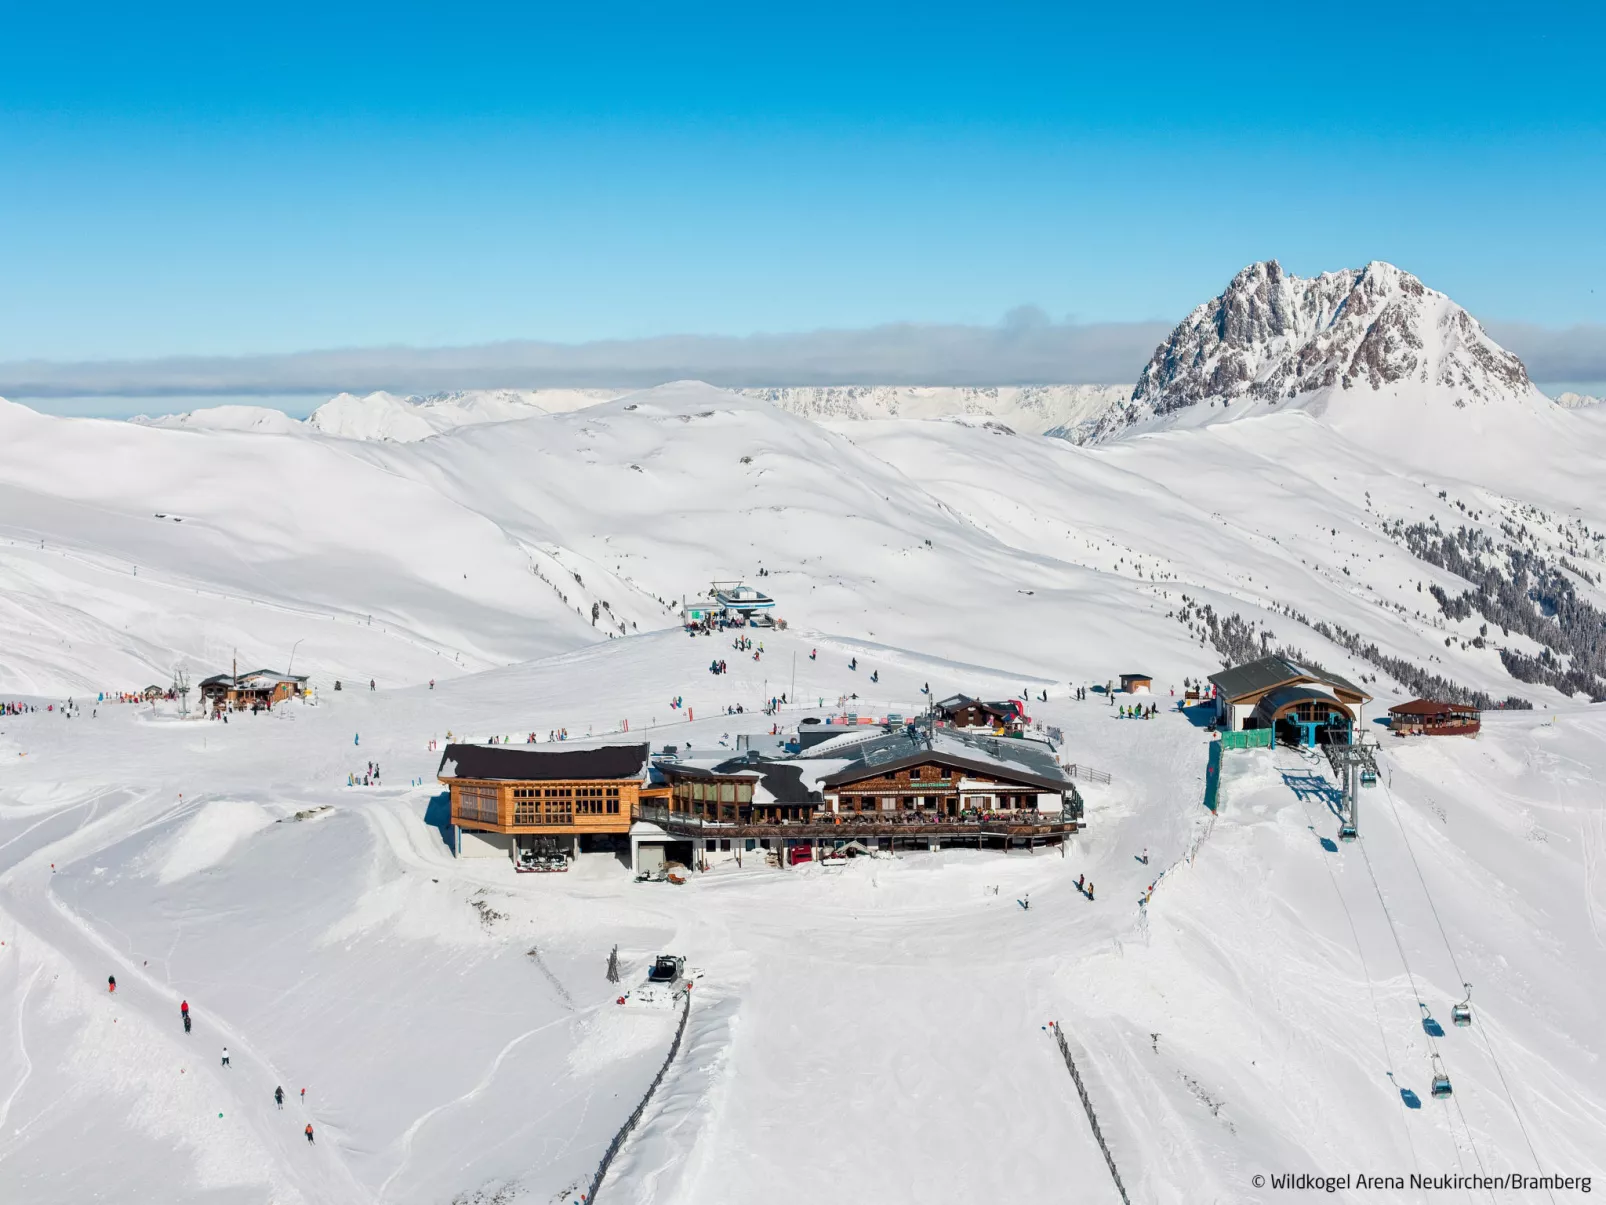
(1272, 336)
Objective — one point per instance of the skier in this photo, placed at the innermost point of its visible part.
(432, 683)
(1090, 889)
(225, 1056)
(370, 683)
(875, 675)
(854, 663)
(814, 654)
(184, 1009)
(356, 738)
(309, 1134)
(278, 1097)
(111, 983)
(186, 1022)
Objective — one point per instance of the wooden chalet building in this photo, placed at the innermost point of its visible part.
(938, 784)
(1426, 717)
(518, 801)
(1132, 683)
(962, 711)
(258, 688)
(1302, 706)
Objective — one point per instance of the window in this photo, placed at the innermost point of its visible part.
(744, 792)
(727, 792)
(525, 808)
(477, 803)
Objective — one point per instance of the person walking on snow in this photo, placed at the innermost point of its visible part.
(184, 1009)
(278, 1096)
(111, 983)
(225, 1056)
(309, 1134)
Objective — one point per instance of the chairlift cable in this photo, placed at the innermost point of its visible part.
(1483, 1029)
(1433, 1047)
(1371, 991)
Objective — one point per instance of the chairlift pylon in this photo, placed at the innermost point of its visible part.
(1441, 1081)
(1461, 1013)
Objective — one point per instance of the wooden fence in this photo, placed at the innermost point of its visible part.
(1087, 1103)
(635, 1118)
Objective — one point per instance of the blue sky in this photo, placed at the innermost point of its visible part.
(221, 180)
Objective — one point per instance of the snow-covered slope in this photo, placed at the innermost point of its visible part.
(1351, 341)
(451, 1021)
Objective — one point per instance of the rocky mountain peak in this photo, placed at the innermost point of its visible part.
(1272, 336)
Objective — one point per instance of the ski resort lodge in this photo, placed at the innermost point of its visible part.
(523, 801)
(1301, 706)
(258, 688)
(875, 789)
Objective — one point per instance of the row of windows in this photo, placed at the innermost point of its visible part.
(723, 792)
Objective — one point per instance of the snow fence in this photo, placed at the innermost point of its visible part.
(1087, 1103)
(634, 1119)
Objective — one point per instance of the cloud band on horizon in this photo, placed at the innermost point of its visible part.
(1027, 349)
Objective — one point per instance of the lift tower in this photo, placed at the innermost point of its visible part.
(1348, 761)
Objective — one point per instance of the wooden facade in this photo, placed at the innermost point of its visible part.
(964, 712)
(568, 807)
(940, 786)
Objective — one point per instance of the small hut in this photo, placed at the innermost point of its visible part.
(1132, 683)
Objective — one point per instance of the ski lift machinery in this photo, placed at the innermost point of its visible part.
(1351, 765)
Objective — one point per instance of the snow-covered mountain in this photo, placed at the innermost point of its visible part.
(392, 418)
(1573, 401)
(1066, 411)
(259, 419)
(1273, 338)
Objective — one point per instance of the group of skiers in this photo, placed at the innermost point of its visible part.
(184, 1016)
(369, 777)
(1140, 711)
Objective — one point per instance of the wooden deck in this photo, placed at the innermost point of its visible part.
(852, 828)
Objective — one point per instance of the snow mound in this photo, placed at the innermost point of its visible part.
(211, 836)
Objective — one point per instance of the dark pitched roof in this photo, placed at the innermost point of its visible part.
(863, 770)
(539, 764)
(1273, 671)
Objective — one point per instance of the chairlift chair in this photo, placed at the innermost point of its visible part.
(1461, 1013)
(1441, 1082)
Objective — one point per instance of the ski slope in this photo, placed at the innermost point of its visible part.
(874, 1028)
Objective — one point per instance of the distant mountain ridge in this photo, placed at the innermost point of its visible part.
(1271, 337)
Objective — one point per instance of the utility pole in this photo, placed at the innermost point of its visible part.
(289, 669)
